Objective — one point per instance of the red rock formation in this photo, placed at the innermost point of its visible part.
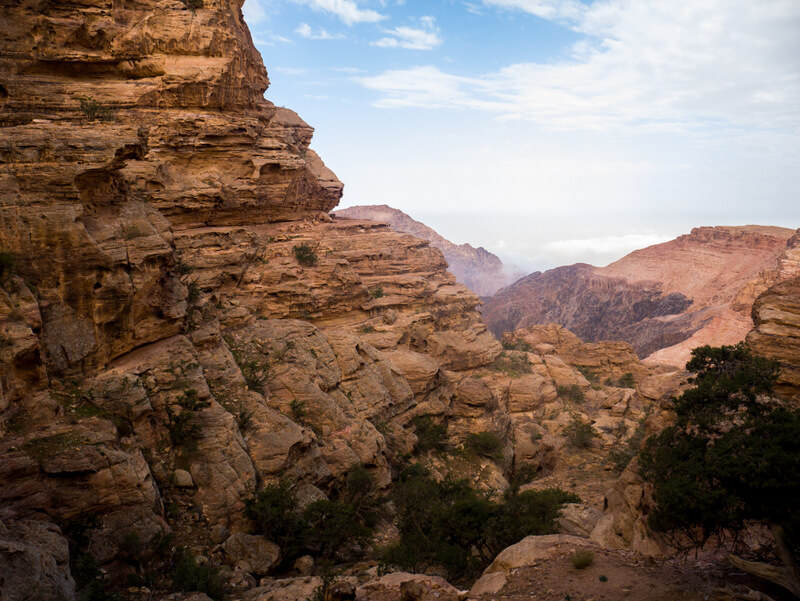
(665, 299)
(476, 268)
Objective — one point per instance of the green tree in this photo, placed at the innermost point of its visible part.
(732, 456)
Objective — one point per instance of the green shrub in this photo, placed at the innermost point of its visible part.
(579, 433)
(252, 364)
(187, 575)
(581, 559)
(305, 253)
(512, 363)
(430, 435)
(485, 444)
(376, 292)
(570, 393)
(517, 345)
(627, 381)
(602, 578)
(93, 109)
(194, 293)
(184, 429)
(587, 373)
(298, 409)
(323, 529)
(193, 5)
(451, 525)
(620, 458)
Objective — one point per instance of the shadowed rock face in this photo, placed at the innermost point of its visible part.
(593, 307)
(476, 268)
(776, 315)
(664, 300)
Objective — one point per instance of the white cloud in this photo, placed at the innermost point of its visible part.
(695, 66)
(304, 30)
(254, 11)
(614, 245)
(347, 10)
(552, 10)
(423, 37)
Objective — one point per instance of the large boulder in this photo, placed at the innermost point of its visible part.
(251, 553)
(34, 563)
(401, 586)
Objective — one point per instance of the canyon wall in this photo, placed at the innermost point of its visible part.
(476, 268)
(665, 299)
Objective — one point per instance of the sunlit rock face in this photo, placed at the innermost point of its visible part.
(152, 204)
(664, 300)
(776, 318)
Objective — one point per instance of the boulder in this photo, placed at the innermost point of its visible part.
(402, 586)
(251, 553)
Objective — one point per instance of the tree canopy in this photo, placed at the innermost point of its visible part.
(731, 457)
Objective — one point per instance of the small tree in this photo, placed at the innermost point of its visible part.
(733, 456)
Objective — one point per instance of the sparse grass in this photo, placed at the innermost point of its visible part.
(571, 393)
(131, 231)
(587, 373)
(579, 433)
(93, 109)
(41, 449)
(298, 409)
(306, 254)
(517, 345)
(252, 364)
(514, 364)
(485, 444)
(620, 458)
(581, 559)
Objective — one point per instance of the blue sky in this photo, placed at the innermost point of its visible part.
(548, 131)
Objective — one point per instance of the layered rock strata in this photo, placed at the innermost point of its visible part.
(180, 319)
(776, 318)
(476, 268)
(664, 300)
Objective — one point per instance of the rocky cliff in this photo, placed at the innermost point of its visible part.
(665, 299)
(181, 321)
(476, 268)
(776, 315)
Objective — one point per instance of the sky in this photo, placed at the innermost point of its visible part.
(548, 131)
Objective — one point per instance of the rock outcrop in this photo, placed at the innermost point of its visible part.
(776, 315)
(182, 322)
(664, 300)
(476, 268)
(180, 319)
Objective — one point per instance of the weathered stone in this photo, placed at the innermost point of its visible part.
(401, 586)
(251, 553)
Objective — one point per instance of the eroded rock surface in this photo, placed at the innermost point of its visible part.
(476, 268)
(664, 300)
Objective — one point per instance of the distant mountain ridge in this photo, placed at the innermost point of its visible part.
(664, 299)
(476, 268)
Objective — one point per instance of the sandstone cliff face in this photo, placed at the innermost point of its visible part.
(776, 318)
(161, 342)
(665, 299)
(476, 268)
